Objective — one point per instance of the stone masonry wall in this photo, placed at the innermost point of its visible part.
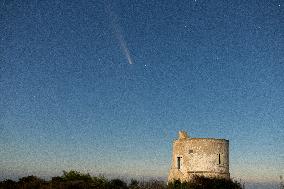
(199, 156)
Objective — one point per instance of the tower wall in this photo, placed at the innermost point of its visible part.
(199, 156)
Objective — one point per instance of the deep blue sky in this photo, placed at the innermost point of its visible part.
(70, 99)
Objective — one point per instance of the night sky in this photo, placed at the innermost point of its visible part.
(104, 86)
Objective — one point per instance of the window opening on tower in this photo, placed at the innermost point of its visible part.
(178, 162)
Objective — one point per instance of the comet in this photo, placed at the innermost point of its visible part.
(123, 46)
(118, 34)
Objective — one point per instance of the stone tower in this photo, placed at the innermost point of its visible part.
(199, 156)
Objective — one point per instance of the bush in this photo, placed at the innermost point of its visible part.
(75, 176)
(117, 184)
(100, 182)
(8, 184)
(31, 182)
(200, 182)
(134, 184)
(76, 180)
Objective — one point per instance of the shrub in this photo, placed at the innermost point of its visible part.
(200, 182)
(117, 184)
(75, 176)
